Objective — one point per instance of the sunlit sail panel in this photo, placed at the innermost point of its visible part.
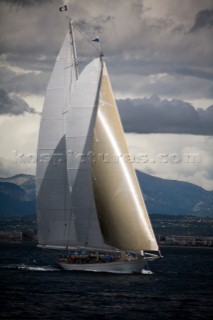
(121, 209)
(51, 176)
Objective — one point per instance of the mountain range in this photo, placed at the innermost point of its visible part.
(162, 196)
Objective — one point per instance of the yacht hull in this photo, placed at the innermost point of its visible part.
(125, 267)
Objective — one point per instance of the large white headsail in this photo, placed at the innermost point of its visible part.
(121, 209)
(83, 224)
(51, 176)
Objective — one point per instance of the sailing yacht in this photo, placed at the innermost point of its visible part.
(89, 202)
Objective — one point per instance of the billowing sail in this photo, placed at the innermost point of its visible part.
(121, 209)
(83, 224)
(87, 191)
(51, 176)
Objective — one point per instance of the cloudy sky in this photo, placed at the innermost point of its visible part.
(159, 56)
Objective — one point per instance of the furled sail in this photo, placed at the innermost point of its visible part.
(51, 176)
(121, 209)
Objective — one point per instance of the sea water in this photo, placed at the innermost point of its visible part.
(33, 287)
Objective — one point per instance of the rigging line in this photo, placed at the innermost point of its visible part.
(89, 40)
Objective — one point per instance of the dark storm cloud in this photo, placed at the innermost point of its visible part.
(25, 3)
(88, 25)
(194, 72)
(151, 68)
(30, 83)
(23, 29)
(152, 115)
(210, 92)
(32, 62)
(13, 105)
(134, 44)
(203, 19)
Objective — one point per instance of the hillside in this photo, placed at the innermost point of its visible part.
(174, 197)
(26, 182)
(14, 201)
(170, 197)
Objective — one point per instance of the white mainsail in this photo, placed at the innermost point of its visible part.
(51, 175)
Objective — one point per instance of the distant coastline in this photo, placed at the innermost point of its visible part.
(203, 242)
(182, 246)
(170, 231)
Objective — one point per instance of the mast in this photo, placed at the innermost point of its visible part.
(74, 48)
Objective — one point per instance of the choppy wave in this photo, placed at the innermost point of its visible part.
(30, 267)
(178, 289)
